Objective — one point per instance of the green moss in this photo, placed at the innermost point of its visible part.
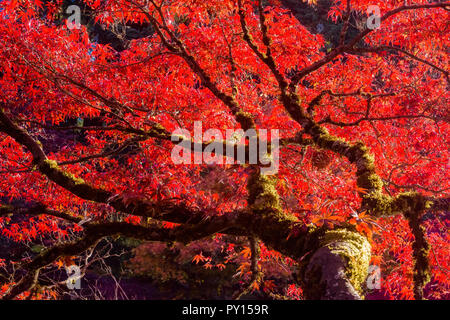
(410, 202)
(53, 165)
(368, 157)
(428, 204)
(378, 204)
(413, 206)
(74, 179)
(158, 129)
(332, 143)
(245, 119)
(369, 181)
(382, 205)
(158, 126)
(263, 196)
(368, 161)
(322, 131)
(357, 151)
(37, 248)
(361, 147)
(347, 243)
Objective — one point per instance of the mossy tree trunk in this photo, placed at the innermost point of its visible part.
(333, 263)
(336, 270)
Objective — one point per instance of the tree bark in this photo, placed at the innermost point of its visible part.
(338, 269)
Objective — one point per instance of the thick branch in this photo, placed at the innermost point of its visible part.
(163, 210)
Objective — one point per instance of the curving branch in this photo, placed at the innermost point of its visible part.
(163, 210)
(267, 57)
(175, 45)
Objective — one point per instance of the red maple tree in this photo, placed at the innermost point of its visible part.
(85, 140)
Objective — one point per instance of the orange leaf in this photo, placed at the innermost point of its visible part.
(59, 263)
(199, 257)
(208, 265)
(246, 252)
(254, 285)
(361, 190)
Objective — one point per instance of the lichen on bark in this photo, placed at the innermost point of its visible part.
(263, 196)
(54, 166)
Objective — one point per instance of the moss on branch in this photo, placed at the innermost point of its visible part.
(245, 119)
(263, 196)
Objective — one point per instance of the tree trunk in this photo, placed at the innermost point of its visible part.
(333, 262)
(338, 269)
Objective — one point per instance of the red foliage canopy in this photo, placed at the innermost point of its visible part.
(85, 133)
